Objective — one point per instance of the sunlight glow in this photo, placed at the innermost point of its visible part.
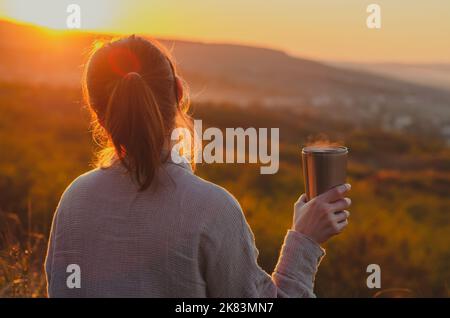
(321, 29)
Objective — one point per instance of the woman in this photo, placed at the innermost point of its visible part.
(143, 225)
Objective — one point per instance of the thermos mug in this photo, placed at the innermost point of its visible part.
(323, 168)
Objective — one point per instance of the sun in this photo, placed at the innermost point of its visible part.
(95, 15)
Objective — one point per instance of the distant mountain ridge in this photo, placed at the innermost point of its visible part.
(434, 75)
(237, 74)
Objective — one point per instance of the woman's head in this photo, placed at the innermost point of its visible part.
(136, 100)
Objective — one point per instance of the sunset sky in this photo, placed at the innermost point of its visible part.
(411, 32)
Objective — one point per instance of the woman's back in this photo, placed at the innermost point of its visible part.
(132, 243)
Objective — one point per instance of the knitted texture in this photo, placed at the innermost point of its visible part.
(184, 238)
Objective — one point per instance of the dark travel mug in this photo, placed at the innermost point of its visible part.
(323, 168)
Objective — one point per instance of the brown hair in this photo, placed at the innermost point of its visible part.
(130, 86)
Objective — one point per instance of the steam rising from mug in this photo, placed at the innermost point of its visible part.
(324, 167)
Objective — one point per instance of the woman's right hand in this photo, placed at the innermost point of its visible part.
(324, 216)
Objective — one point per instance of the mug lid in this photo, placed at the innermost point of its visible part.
(325, 149)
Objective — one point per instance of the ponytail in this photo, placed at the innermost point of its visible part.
(136, 127)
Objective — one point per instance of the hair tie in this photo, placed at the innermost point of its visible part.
(129, 74)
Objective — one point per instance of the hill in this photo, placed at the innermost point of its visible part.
(240, 75)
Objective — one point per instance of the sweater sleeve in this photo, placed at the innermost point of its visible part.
(229, 260)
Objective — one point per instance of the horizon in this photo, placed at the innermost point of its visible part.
(334, 33)
(63, 32)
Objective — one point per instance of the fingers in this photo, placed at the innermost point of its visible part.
(301, 201)
(341, 226)
(340, 205)
(335, 193)
(341, 216)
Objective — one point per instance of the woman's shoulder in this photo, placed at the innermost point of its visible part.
(216, 201)
(219, 195)
(197, 189)
(81, 184)
(222, 215)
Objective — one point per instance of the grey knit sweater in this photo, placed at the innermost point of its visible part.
(185, 238)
